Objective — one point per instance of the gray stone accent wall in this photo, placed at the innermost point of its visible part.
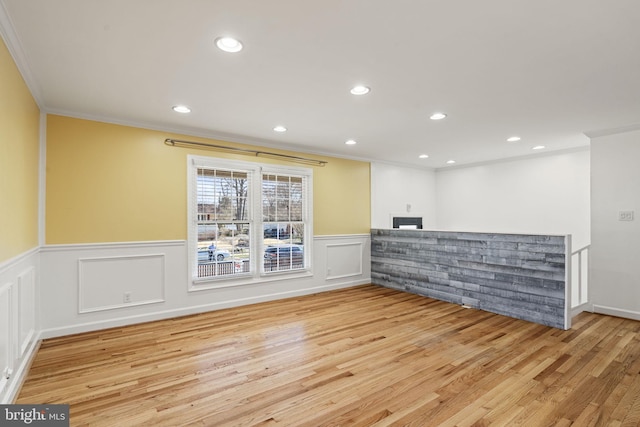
(521, 276)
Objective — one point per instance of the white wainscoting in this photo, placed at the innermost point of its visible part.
(84, 285)
(6, 364)
(27, 310)
(18, 321)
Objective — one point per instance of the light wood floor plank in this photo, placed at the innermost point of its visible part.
(363, 356)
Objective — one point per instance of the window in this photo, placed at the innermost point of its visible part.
(247, 221)
(283, 222)
(223, 225)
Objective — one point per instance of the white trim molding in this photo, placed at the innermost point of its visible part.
(16, 50)
(618, 312)
(42, 180)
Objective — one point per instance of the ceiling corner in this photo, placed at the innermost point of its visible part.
(16, 51)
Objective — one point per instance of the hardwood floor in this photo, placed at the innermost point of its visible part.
(364, 356)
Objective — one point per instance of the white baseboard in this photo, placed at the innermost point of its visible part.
(20, 375)
(618, 312)
(580, 308)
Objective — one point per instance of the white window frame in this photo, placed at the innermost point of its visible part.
(256, 241)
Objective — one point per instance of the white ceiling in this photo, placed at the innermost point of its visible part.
(548, 71)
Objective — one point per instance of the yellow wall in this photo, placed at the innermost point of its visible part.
(19, 151)
(113, 183)
(341, 193)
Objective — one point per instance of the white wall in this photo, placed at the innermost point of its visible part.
(395, 187)
(615, 252)
(540, 195)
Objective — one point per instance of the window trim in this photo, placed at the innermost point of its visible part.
(255, 218)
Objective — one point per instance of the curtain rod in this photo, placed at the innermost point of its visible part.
(205, 146)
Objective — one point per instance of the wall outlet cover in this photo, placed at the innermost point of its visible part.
(625, 216)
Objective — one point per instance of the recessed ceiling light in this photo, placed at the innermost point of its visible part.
(360, 90)
(450, 162)
(350, 142)
(513, 139)
(538, 147)
(229, 44)
(181, 109)
(280, 129)
(438, 116)
(423, 156)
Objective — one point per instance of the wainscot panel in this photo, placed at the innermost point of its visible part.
(19, 336)
(120, 281)
(522, 276)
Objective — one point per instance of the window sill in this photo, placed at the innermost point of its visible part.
(203, 284)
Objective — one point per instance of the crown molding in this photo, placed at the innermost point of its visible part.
(612, 131)
(16, 51)
(545, 153)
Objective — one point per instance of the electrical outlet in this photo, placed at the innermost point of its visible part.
(127, 297)
(625, 216)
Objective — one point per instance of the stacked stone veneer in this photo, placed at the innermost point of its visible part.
(521, 276)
